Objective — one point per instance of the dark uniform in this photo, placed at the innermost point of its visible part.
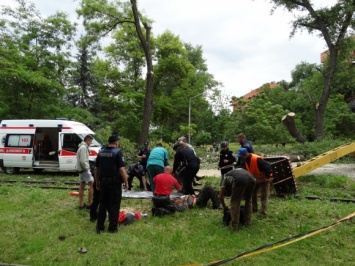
(135, 170)
(108, 162)
(145, 151)
(225, 154)
(186, 157)
(95, 199)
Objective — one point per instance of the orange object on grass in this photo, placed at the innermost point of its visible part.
(74, 193)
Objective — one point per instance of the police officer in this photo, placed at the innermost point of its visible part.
(137, 170)
(186, 157)
(143, 155)
(110, 173)
(226, 159)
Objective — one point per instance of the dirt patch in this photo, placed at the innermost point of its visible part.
(331, 169)
(335, 169)
(209, 172)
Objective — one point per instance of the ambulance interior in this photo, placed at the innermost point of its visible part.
(45, 144)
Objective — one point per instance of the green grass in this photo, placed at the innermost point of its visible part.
(45, 227)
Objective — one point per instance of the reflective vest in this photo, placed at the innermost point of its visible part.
(253, 169)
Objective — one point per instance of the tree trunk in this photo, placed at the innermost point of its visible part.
(333, 30)
(289, 122)
(323, 101)
(148, 100)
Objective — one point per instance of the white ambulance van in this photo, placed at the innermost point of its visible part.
(42, 144)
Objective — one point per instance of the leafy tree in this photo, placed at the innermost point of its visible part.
(121, 82)
(262, 121)
(294, 100)
(182, 83)
(344, 78)
(83, 81)
(202, 138)
(102, 18)
(333, 24)
(34, 57)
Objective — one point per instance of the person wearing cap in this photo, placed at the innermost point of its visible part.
(137, 170)
(143, 155)
(236, 184)
(83, 168)
(262, 172)
(157, 160)
(110, 173)
(226, 159)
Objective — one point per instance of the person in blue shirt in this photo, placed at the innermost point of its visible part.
(243, 144)
(156, 162)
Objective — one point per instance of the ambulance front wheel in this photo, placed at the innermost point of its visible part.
(11, 170)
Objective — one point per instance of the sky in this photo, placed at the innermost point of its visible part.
(243, 44)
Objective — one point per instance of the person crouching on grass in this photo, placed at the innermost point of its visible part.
(235, 184)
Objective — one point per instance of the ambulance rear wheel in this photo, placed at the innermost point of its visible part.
(11, 170)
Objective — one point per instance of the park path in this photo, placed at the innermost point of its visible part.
(331, 168)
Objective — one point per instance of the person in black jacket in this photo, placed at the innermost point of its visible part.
(186, 160)
(137, 170)
(226, 159)
(143, 155)
(110, 173)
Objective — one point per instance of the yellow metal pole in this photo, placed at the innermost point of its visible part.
(320, 160)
